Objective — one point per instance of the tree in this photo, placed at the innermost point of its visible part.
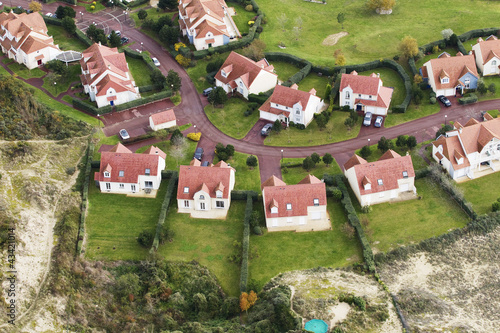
(35, 6)
(176, 134)
(492, 88)
(277, 127)
(173, 81)
(401, 141)
(167, 4)
(316, 158)
(341, 19)
(296, 32)
(252, 298)
(417, 94)
(418, 79)
(443, 130)
(91, 31)
(63, 11)
(145, 238)
(254, 51)
(214, 66)
(299, 22)
(157, 79)
(411, 142)
(218, 96)
(481, 87)
(244, 304)
(349, 123)
(328, 91)
(282, 20)
(69, 25)
(142, 14)
(321, 120)
(340, 60)
(384, 145)
(446, 33)
(327, 159)
(251, 161)
(114, 39)
(308, 163)
(354, 115)
(408, 47)
(381, 4)
(179, 148)
(365, 152)
(169, 35)
(224, 153)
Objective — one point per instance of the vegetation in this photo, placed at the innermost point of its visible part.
(481, 192)
(293, 172)
(229, 118)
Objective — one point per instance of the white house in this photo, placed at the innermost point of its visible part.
(24, 38)
(391, 178)
(205, 191)
(449, 75)
(245, 76)
(365, 93)
(290, 104)
(469, 149)
(106, 76)
(122, 171)
(207, 23)
(487, 53)
(162, 119)
(300, 207)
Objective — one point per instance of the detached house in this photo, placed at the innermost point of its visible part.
(391, 178)
(24, 38)
(106, 76)
(207, 23)
(487, 54)
(300, 207)
(205, 191)
(449, 75)
(245, 76)
(122, 171)
(365, 93)
(290, 104)
(471, 149)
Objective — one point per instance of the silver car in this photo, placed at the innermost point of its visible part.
(367, 121)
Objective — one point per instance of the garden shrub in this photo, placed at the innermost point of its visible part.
(413, 67)
(194, 136)
(471, 98)
(245, 244)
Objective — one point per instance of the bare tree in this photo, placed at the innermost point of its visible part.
(178, 148)
(296, 32)
(299, 22)
(282, 20)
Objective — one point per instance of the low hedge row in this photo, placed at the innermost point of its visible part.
(146, 88)
(478, 33)
(355, 223)
(260, 98)
(85, 194)
(428, 48)
(167, 174)
(245, 244)
(83, 38)
(144, 100)
(336, 85)
(172, 184)
(461, 47)
(52, 20)
(413, 67)
(136, 3)
(140, 55)
(243, 195)
(472, 98)
(81, 105)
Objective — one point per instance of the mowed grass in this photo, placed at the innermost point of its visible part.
(335, 131)
(174, 160)
(140, 71)
(65, 41)
(401, 223)
(114, 221)
(279, 252)
(413, 111)
(246, 179)
(209, 242)
(284, 70)
(62, 85)
(242, 17)
(230, 119)
(314, 81)
(482, 192)
(293, 175)
(371, 36)
(198, 72)
(25, 72)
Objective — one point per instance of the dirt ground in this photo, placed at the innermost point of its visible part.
(455, 290)
(333, 39)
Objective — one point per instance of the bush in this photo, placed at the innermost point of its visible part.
(365, 152)
(472, 98)
(337, 194)
(249, 8)
(194, 136)
(145, 238)
(252, 161)
(432, 100)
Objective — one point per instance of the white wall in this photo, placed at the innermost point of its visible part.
(158, 127)
(263, 82)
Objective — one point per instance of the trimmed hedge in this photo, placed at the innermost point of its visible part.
(144, 100)
(140, 55)
(243, 195)
(260, 98)
(472, 98)
(478, 33)
(172, 184)
(85, 194)
(81, 105)
(427, 48)
(461, 47)
(136, 3)
(413, 67)
(147, 88)
(167, 174)
(245, 244)
(53, 21)
(336, 85)
(83, 38)
(95, 164)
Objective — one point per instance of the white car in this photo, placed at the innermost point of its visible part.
(48, 14)
(124, 134)
(156, 62)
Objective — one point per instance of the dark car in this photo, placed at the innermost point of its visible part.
(367, 121)
(378, 121)
(207, 91)
(124, 40)
(266, 129)
(444, 100)
(198, 153)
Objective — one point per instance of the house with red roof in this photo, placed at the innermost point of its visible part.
(106, 76)
(487, 54)
(365, 93)
(207, 23)
(391, 178)
(291, 104)
(299, 207)
(471, 150)
(122, 171)
(24, 38)
(245, 76)
(205, 191)
(162, 119)
(449, 75)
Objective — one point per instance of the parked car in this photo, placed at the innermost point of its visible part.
(446, 102)
(124, 40)
(1, 4)
(206, 163)
(207, 91)
(124, 134)
(156, 62)
(198, 153)
(266, 129)
(378, 121)
(48, 14)
(117, 32)
(367, 121)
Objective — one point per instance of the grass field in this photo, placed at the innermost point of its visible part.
(209, 242)
(140, 71)
(285, 251)
(230, 119)
(413, 111)
(245, 178)
(115, 220)
(390, 78)
(242, 17)
(65, 41)
(371, 36)
(482, 192)
(314, 81)
(24, 72)
(401, 223)
(335, 131)
(296, 174)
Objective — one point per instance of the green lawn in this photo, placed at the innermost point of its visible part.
(314, 81)
(279, 252)
(401, 223)
(114, 221)
(24, 72)
(284, 70)
(140, 71)
(65, 41)
(103, 140)
(209, 242)
(98, 6)
(335, 131)
(242, 17)
(62, 85)
(172, 162)
(293, 175)
(413, 111)
(494, 113)
(482, 192)
(245, 178)
(487, 81)
(153, 13)
(371, 36)
(230, 119)
(198, 72)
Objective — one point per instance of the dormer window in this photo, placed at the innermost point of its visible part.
(288, 206)
(493, 63)
(316, 202)
(380, 182)
(223, 73)
(218, 194)
(121, 173)
(274, 210)
(370, 97)
(147, 172)
(186, 189)
(359, 95)
(445, 80)
(405, 174)
(107, 174)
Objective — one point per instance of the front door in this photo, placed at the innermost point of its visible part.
(39, 62)
(111, 103)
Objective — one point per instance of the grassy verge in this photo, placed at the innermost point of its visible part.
(311, 136)
(209, 242)
(279, 252)
(24, 72)
(296, 174)
(140, 71)
(98, 6)
(230, 119)
(413, 112)
(314, 81)
(65, 41)
(114, 221)
(153, 13)
(482, 192)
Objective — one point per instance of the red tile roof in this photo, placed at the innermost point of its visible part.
(300, 196)
(272, 181)
(366, 85)
(489, 48)
(451, 146)
(354, 160)
(163, 116)
(453, 68)
(196, 177)
(289, 96)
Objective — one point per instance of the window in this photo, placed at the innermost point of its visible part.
(347, 95)
(108, 186)
(148, 184)
(223, 74)
(132, 187)
(219, 204)
(218, 194)
(316, 202)
(380, 182)
(359, 95)
(122, 186)
(202, 197)
(297, 120)
(148, 172)
(445, 80)
(202, 205)
(288, 206)
(370, 97)
(405, 174)
(297, 112)
(106, 174)
(121, 173)
(186, 189)
(467, 83)
(186, 203)
(493, 63)
(274, 210)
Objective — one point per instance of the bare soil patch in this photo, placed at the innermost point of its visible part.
(333, 39)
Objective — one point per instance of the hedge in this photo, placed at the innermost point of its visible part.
(85, 194)
(81, 105)
(144, 100)
(146, 88)
(136, 3)
(83, 38)
(428, 48)
(172, 184)
(167, 174)
(461, 47)
(260, 98)
(336, 85)
(243, 195)
(52, 20)
(355, 223)
(478, 33)
(472, 98)
(95, 164)
(413, 67)
(245, 244)
(140, 55)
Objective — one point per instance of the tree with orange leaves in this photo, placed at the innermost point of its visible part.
(244, 304)
(252, 298)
